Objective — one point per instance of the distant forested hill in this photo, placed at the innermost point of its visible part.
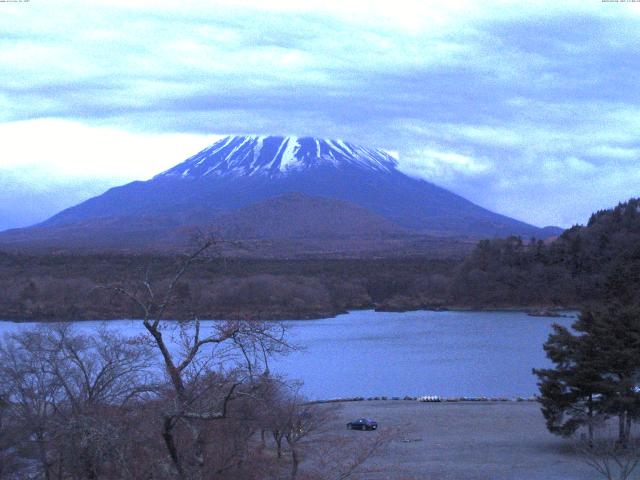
(586, 263)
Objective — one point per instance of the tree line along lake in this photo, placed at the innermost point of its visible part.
(367, 353)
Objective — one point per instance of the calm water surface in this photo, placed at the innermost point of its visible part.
(366, 353)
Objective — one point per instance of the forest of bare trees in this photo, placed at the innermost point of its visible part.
(499, 273)
(180, 402)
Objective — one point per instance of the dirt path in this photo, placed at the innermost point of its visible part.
(466, 441)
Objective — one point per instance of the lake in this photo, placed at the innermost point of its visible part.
(367, 353)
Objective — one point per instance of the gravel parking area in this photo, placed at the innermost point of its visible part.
(465, 440)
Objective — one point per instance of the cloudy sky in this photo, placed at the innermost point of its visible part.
(531, 109)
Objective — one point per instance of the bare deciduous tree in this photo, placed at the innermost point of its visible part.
(611, 459)
(338, 457)
(304, 433)
(95, 406)
(206, 369)
(60, 385)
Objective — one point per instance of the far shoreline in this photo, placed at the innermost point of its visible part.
(532, 311)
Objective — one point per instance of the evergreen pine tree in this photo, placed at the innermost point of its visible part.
(596, 374)
(569, 393)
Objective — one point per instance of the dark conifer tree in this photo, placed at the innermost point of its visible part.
(615, 330)
(569, 393)
(596, 373)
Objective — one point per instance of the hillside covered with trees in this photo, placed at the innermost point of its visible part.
(586, 263)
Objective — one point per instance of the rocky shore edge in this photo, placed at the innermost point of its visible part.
(425, 399)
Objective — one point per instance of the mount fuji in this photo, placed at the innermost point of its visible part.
(268, 187)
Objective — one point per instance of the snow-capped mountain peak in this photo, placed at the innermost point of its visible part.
(276, 156)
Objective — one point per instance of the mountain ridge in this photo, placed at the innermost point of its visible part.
(274, 155)
(239, 171)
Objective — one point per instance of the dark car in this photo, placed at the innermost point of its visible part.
(362, 424)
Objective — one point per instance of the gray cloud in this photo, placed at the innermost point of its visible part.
(530, 111)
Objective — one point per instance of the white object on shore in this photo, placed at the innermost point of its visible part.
(430, 398)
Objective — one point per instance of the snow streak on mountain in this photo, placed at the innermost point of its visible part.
(276, 156)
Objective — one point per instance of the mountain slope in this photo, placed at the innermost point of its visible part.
(294, 216)
(299, 216)
(240, 171)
